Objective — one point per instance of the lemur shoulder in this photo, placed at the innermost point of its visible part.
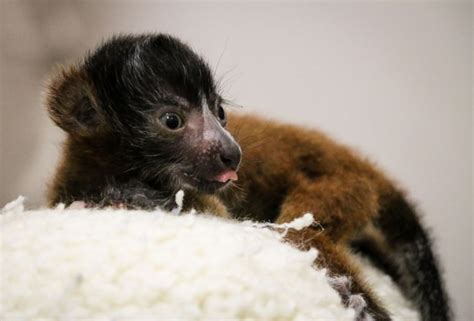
(144, 119)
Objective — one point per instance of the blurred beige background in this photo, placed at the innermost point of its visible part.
(393, 79)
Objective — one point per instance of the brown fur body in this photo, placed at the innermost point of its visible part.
(288, 171)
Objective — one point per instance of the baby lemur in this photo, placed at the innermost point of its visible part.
(144, 119)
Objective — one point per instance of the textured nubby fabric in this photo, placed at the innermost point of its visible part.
(113, 264)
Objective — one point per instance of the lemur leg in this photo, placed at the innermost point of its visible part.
(207, 204)
(137, 195)
(347, 280)
(130, 195)
(343, 204)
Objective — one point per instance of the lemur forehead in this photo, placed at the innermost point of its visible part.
(178, 100)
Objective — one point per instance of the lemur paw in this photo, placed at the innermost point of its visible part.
(356, 301)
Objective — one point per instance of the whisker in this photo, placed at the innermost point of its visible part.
(220, 56)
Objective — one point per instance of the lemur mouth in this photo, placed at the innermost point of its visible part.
(211, 184)
(224, 177)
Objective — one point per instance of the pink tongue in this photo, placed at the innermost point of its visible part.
(225, 176)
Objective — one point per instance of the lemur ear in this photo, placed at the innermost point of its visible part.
(71, 102)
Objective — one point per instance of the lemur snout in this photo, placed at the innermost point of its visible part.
(230, 157)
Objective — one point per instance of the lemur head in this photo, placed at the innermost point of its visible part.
(157, 101)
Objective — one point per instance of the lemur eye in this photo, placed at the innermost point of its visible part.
(221, 113)
(171, 121)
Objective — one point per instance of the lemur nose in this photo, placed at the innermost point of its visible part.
(230, 159)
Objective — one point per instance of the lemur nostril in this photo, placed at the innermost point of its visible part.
(226, 161)
(230, 161)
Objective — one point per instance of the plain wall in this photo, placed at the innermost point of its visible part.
(392, 79)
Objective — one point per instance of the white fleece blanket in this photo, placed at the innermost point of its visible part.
(111, 265)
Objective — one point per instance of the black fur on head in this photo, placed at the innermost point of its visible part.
(148, 107)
